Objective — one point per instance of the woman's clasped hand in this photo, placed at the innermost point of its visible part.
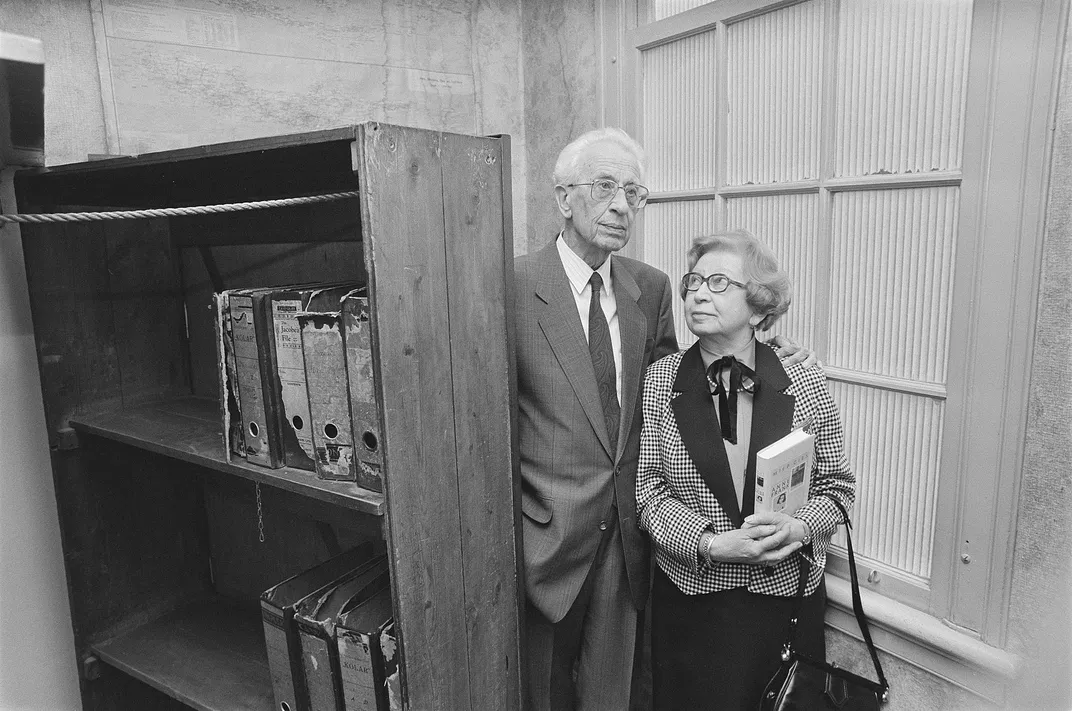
(755, 544)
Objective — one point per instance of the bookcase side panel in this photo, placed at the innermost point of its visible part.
(402, 192)
(478, 255)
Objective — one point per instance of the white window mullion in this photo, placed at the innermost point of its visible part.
(827, 158)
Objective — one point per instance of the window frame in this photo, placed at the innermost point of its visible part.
(962, 627)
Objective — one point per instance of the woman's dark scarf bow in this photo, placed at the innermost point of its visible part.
(741, 378)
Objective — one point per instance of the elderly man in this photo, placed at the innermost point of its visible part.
(588, 324)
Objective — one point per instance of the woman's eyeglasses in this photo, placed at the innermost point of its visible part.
(716, 283)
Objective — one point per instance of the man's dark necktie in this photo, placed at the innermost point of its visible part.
(741, 378)
(602, 352)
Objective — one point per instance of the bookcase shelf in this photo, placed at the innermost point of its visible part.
(209, 655)
(155, 520)
(189, 429)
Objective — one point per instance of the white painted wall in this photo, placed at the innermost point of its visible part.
(37, 659)
(38, 668)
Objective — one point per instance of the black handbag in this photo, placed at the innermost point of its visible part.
(803, 684)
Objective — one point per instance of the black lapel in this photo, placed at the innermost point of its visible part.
(772, 415)
(700, 433)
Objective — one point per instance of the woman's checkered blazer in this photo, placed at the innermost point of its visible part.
(683, 480)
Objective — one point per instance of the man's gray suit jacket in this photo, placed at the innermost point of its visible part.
(570, 480)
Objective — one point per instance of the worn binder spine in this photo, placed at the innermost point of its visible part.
(362, 665)
(361, 378)
(234, 442)
(255, 414)
(325, 373)
(321, 678)
(295, 422)
(392, 676)
(316, 620)
(278, 646)
(294, 419)
(278, 606)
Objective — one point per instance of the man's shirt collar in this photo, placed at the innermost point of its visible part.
(577, 270)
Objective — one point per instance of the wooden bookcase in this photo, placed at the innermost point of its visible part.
(162, 536)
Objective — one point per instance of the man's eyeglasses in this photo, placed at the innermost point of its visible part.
(717, 283)
(605, 189)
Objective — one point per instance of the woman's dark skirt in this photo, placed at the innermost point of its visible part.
(718, 651)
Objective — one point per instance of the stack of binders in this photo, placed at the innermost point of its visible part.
(278, 605)
(331, 647)
(297, 384)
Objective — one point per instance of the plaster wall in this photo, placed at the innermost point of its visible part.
(184, 74)
(1040, 620)
(561, 95)
(38, 668)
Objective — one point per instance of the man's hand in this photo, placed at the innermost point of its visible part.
(755, 545)
(791, 353)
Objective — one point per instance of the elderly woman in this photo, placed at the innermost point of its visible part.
(724, 589)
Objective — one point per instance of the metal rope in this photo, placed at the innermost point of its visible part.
(175, 211)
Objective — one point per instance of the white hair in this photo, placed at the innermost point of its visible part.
(565, 167)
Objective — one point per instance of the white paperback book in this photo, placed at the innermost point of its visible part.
(783, 473)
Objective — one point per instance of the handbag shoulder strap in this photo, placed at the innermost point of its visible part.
(857, 603)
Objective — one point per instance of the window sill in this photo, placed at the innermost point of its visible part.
(923, 641)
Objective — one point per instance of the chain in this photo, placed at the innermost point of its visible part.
(260, 515)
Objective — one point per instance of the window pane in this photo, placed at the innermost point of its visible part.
(891, 280)
(679, 113)
(901, 80)
(660, 9)
(774, 90)
(788, 224)
(893, 442)
(668, 231)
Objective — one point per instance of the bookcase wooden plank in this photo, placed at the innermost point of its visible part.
(134, 539)
(206, 175)
(67, 274)
(147, 310)
(337, 221)
(116, 690)
(402, 191)
(188, 430)
(210, 655)
(230, 148)
(478, 253)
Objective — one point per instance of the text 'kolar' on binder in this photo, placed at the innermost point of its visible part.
(278, 605)
(367, 652)
(316, 619)
(783, 473)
